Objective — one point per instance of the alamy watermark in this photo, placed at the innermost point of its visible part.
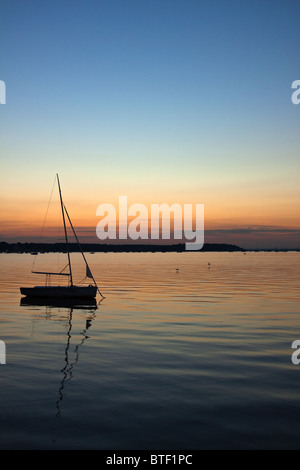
(296, 345)
(296, 94)
(164, 222)
(2, 353)
(2, 92)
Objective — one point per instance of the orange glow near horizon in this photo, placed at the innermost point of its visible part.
(24, 219)
(250, 213)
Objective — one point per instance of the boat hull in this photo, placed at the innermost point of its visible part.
(62, 292)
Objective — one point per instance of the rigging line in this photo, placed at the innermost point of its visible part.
(43, 226)
(82, 251)
(58, 238)
(64, 268)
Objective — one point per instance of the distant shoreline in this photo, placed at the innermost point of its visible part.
(32, 247)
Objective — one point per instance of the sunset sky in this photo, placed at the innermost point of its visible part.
(165, 101)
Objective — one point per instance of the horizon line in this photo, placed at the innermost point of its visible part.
(154, 245)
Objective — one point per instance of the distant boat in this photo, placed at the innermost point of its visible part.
(69, 291)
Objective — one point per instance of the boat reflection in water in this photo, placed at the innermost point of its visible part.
(79, 303)
(91, 306)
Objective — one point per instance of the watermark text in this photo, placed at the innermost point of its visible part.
(2, 92)
(2, 353)
(296, 354)
(296, 94)
(164, 222)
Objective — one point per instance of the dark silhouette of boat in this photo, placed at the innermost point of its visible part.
(69, 291)
(60, 302)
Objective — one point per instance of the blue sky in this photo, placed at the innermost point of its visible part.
(178, 99)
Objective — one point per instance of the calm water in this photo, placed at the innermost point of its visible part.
(198, 358)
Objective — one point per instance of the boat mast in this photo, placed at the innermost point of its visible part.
(65, 229)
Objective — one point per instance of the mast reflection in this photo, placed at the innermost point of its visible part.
(67, 370)
(91, 306)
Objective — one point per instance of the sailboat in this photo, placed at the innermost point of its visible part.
(70, 291)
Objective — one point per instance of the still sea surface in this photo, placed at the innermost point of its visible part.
(179, 355)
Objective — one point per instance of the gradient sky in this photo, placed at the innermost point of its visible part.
(176, 101)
